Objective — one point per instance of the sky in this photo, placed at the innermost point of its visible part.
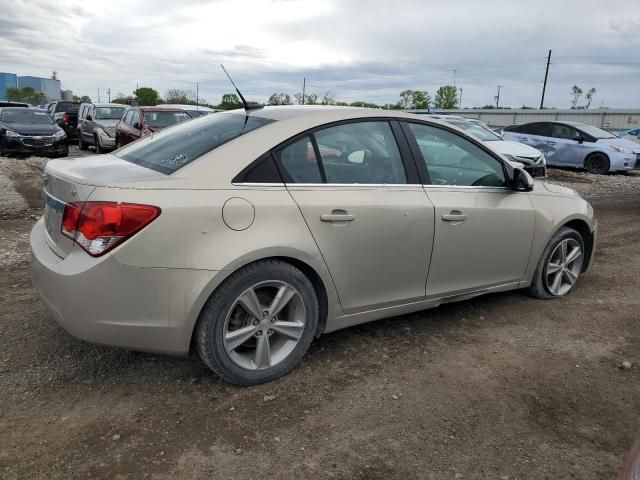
(356, 49)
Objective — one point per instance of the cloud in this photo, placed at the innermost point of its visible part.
(357, 49)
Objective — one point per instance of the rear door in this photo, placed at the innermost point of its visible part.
(483, 229)
(366, 210)
(563, 148)
(535, 135)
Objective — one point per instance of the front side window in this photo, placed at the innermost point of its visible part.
(454, 161)
(168, 150)
(128, 116)
(135, 119)
(563, 131)
(360, 152)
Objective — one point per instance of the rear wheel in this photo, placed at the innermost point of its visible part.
(597, 163)
(560, 265)
(258, 324)
(81, 144)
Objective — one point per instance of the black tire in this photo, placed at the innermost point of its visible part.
(63, 154)
(96, 142)
(81, 144)
(597, 163)
(538, 287)
(209, 331)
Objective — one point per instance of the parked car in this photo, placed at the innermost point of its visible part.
(530, 158)
(572, 144)
(193, 110)
(246, 234)
(14, 104)
(139, 122)
(632, 135)
(27, 131)
(65, 114)
(97, 125)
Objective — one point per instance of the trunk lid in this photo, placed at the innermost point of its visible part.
(73, 180)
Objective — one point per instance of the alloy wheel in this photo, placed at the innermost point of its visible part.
(563, 267)
(264, 325)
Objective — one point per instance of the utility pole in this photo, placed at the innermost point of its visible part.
(197, 97)
(544, 85)
(109, 94)
(454, 77)
(304, 86)
(497, 97)
(98, 95)
(460, 99)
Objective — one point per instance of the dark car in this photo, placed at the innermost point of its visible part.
(65, 114)
(25, 131)
(97, 125)
(14, 104)
(142, 121)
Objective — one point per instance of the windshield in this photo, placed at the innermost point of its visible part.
(164, 119)
(174, 148)
(109, 113)
(595, 132)
(477, 131)
(26, 117)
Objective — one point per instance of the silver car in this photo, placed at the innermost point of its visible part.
(244, 235)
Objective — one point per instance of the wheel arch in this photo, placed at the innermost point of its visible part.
(582, 227)
(596, 152)
(317, 279)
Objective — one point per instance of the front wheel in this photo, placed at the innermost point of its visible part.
(597, 163)
(258, 324)
(96, 142)
(560, 265)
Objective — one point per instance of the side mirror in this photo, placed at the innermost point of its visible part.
(522, 181)
(89, 118)
(357, 156)
(136, 125)
(578, 138)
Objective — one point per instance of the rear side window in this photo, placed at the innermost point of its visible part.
(360, 152)
(542, 129)
(299, 163)
(175, 147)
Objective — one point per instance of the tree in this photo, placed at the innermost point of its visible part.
(230, 101)
(328, 99)
(25, 94)
(123, 99)
(447, 97)
(421, 99)
(363, 104)
(576, 93)
(589, 96)
(406, 98)
(311, 99)
(147, 96)
(280, 99)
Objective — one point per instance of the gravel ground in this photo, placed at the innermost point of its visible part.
(500, 387)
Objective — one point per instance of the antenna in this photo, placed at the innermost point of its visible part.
(247, 106)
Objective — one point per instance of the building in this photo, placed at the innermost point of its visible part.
(7, 80)
(51, 88)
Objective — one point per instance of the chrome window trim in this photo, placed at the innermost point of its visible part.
(479, 187)
(366, 185)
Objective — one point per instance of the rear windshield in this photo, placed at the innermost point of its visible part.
(171, 149)
(69, 107)
(25, 117)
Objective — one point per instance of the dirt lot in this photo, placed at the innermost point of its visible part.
(500, 387)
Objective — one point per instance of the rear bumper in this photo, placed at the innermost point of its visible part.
(102, 301)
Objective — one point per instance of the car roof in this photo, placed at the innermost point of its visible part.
(108, 104)
(158, 109)
(186, 107)
(285, 112)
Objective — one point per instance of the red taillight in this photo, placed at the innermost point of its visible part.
(99, 226)
(65, 119)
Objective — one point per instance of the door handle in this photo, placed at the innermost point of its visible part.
(552, 143)
(337, 217)
(454, 217)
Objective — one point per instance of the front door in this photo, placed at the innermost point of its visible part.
(563, 148)
(483, 230)
(374, 229)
